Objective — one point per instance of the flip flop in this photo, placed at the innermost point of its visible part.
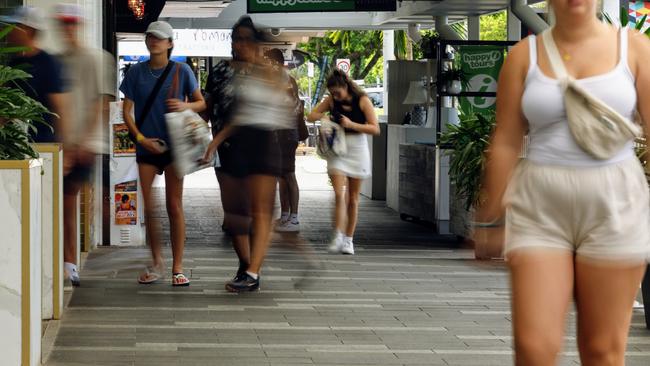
(151, 275)
(179, 279)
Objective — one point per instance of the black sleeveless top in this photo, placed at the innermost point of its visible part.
(355, 114)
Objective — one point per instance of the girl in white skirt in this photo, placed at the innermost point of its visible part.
(351, 108)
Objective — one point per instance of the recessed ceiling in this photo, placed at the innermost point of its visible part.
(194, 9)
(408, 11)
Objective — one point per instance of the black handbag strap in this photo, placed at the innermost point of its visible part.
(154, 94)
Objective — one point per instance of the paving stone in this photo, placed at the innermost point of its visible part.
(408, 297)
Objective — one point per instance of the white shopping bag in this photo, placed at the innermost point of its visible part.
(331, 139)
(190, 136)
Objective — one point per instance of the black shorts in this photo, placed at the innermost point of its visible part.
(160, 161)
(288, 151)
(78, 175)
(251, 151)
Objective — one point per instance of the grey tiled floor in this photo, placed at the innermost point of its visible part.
(408, 297)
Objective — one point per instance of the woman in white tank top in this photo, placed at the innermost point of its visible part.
(576, 227)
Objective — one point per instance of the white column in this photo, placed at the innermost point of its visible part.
(52, 231)
(473, 28)
(20, 274)
(389, 54)
(514, 26)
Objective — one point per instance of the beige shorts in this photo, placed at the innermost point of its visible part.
(601, 213)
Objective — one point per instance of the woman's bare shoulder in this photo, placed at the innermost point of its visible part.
(639, 42)
(639, 50)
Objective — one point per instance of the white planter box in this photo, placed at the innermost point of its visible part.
(20, 262)
(52, 232)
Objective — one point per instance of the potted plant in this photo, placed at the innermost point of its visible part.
(467, 142)
(429, 44)
(18, 112)
(21, 204)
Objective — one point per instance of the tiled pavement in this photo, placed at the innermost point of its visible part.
(407, 297)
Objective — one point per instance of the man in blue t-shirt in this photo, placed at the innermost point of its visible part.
(46, 84)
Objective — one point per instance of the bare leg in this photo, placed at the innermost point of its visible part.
(604, 297)
(236, 207)
(285, 202)
(340, 203)
(262, 194)
(70, 220)
(147, 174)
(174, 202)
(293, 192)
(542, 288)
(354, 188)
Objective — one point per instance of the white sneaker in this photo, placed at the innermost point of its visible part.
(71, 273)
(279, 222)
(347, 247)
(288, 227)
(336, 244)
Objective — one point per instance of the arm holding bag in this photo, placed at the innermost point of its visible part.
(189, 134)
(331, 139)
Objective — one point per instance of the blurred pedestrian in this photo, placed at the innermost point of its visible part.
(46, 86)
(288, 140)
(246, 112)
(46, 83)
(351, 108)
(576, 226)
(90, 76)
(153, 153)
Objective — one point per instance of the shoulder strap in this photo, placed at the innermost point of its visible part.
(623, 41)
(153, 95)
(532, 52)
(173, 90)
(554, 55)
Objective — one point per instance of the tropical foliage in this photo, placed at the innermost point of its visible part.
(18, 112)
(626, 20)
(468, 142)
(363, 48)
(494, 27)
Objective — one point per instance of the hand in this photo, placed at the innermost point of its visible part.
(69, 159)
(153, 146)
(209, 153)
(345, 122)
(176, 105)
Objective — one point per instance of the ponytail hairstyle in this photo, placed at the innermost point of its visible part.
(339, 79)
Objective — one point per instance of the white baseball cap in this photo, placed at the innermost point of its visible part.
(70, 13)
(160, 29)
(27, 16)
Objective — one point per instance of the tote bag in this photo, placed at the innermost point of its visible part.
(189, 134)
